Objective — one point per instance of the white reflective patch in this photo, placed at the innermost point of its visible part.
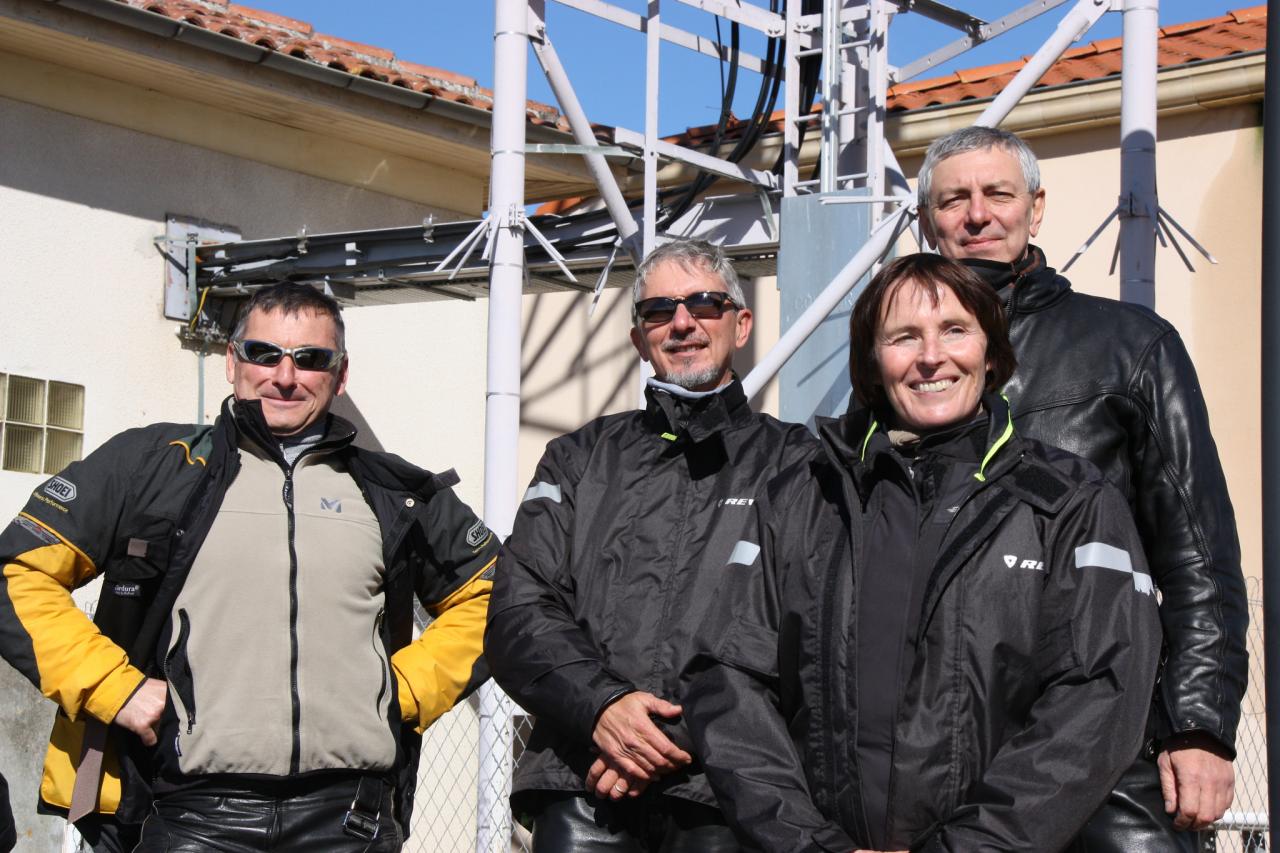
(744, 553)
(1099, 555)
(550, 491)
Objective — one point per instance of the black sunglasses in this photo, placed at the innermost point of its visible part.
(708, 305)
(268, 354)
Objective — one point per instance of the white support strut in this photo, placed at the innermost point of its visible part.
(502, 395)
(614, 202)
(1138, 206)
(1072, 26)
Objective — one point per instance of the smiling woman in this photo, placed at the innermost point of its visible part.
(959, 616)
(927, 340)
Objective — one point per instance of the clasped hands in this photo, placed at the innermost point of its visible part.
(634, 752)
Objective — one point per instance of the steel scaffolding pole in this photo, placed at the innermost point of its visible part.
(628, 231)
(1271, 404)
(1138, 203)
(833, 96)
(652, 52)
(791, 101)
(502, 396)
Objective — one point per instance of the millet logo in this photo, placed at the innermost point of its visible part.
(64, 490)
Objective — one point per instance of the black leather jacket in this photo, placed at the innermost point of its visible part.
(1112, 382)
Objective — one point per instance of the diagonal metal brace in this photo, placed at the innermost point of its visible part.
(1165, 225)
(1166, 217)
(551, 250)
(1115, 211)
(467, 246)
(604, 277)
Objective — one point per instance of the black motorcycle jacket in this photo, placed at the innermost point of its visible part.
(599, 589)
(1029, 668)
(1112, 382)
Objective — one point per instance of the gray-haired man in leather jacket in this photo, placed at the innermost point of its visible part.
(1113, 383)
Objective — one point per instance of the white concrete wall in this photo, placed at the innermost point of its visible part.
(81, 290)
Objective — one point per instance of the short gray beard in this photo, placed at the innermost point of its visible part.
(691, 379)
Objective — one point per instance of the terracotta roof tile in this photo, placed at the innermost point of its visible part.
(299, 39)
(1238, 31)
(270, 18)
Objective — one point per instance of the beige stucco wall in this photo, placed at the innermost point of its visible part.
(81, 290)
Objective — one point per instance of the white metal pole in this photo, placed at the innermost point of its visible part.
(614, 202)
(791, 106)
(502, 397)
(1138, 202)
(855, 99)
(652, 56)
(877, 98)
(832, 96)
(653, 43)
(1072, 26)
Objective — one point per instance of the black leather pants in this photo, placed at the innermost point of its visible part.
(582, 824)
(1133, 819)
(243, 821)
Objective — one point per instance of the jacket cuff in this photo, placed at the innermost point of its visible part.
(1195, 738)
(613, 697)
(112, 694)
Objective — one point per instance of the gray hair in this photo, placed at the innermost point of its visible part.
(290, 299)
(690, 255)
(976, 138)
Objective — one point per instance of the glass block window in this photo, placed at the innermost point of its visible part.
(41, 424)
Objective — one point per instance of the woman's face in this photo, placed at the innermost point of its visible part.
(932, 358)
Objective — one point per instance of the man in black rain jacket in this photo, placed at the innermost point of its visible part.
(599, 594)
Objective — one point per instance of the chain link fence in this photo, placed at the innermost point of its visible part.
(446, 818)
(1243, 828)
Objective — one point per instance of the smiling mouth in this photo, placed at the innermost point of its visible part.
(933, 386)
(683, 349)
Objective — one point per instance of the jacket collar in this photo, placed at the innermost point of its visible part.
(677, 413)
(1026, 285)
(246, 420)
(856, 438)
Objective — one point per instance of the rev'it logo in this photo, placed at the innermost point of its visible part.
(1011, 560)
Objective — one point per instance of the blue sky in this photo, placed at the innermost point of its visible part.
(605, 62)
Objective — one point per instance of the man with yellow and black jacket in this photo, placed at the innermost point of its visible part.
(250, 677)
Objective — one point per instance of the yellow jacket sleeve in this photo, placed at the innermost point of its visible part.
(445, 664)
